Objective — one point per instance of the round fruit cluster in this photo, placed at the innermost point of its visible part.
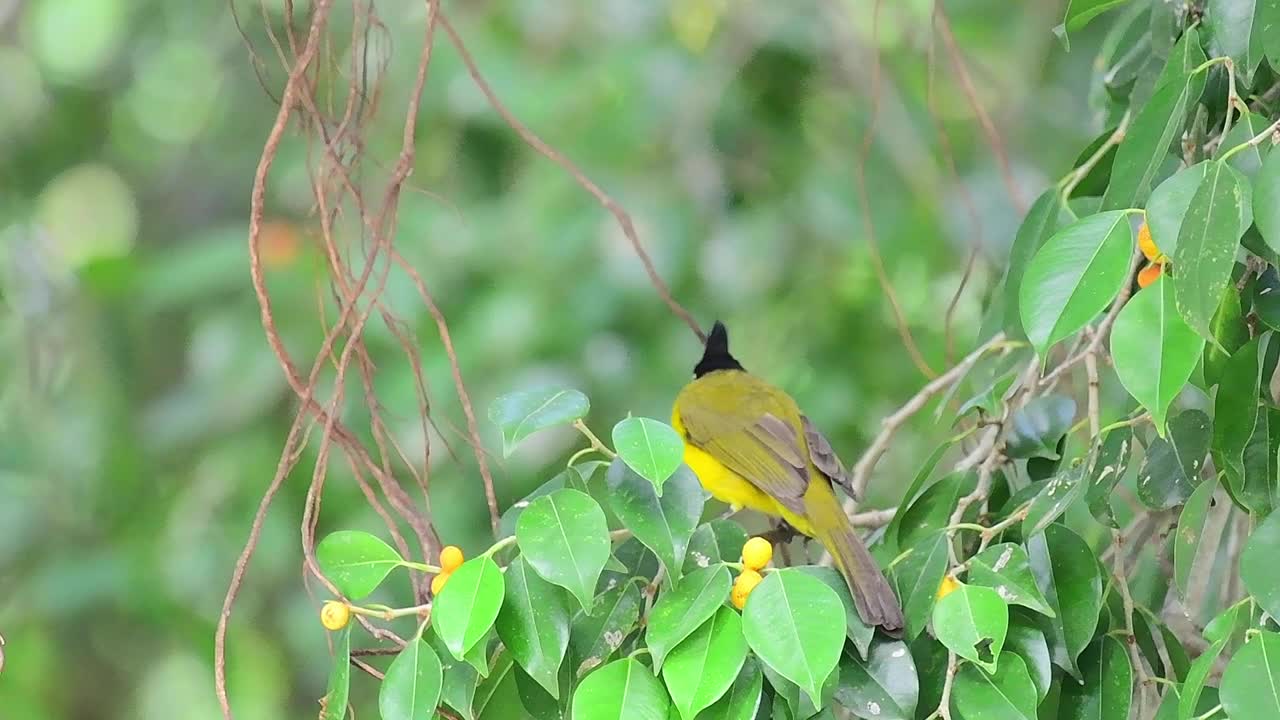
(755, 555)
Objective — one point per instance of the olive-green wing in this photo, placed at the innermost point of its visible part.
(825, 459)
(764, 449)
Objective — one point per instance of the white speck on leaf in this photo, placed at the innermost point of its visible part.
(1006, 594)
(613, 638)
(899, 652)
(702, 560)
(873, 707)
(1004, 559)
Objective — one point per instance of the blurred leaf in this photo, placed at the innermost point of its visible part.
(1106, 472)
(1189, 700)
(565, 538)
(467, 607)
(535, 699)
(892, 531)
(1266, 201)
(651, 448)
(715, 541)
(1056, 496)
(622, 690)
(1008, 693)
(1154, 129)
(1028, 643)
(683, 609)
(794, 623)
(1036, 427)
(1186, 541)
(1066, 571)
(972, 622)
(534, 624)
(522, 413)
(1251, 683)
(1171, 469)
(1258, 566)
(596, 636)
(1207, 243)
(1234, 28)
(411, 688)
(1074, 276)
(460, 680)
(916, 579)
(1154, 350)
(1044, 217)
(1006, 569)
(704, 665)
(743, 699)
(334, 704)
(1266, 298)
(1187, 55)
(857, 631)
(1229, 332)
(1248, 161)
(1237, 408)
(883, 686)
(1168, 205)
(1079, 13)
(1108, 684)
(664, 523)
(932, 509)
(356, 562)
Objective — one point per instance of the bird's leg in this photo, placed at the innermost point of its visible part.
(782, 533)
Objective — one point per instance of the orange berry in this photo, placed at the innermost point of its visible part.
(450, 558)
(1149, 274)
(742, 587)
(738, 597)
(757, 553)
(947, 586)
(1148, 246)
(335, 615)
(437, 583)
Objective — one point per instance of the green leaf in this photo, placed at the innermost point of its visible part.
(1258, 567)
(1207, 243)
(1229, 333)
(651, 448)
(334, 704)
(565, 538)
(458, 689)
(1008, 694)
(716, 541)
(498, 690)
(1236, 407)
(1154, 349)
(972, 622)
(535, 699)
(411, 688)
(1265, 298)
(1171, 469)
(892, 533)
(857, 631)
(1107, 688)
(534, 624)
(356, 562)
(1248, 161)
(1251, 683)
(743, 699)
(1185, 56)
(1044, 217)
(1142, 153)
(1074, 276)
(466, 608)
(1036, 428)
(520, 414)
(916, 579)
(1107, 471)
(1056, 496)
(1066, 571)
(795, 625)
(1006, 569)
(1266, 200)
(884, 686)
(1079, 13)
(1186, 541)
(664, 523)
(596, 636)
(683, 609)
(1028, 643)
(704, 665)
(622, 690)
(1233, 28)
(1189, 700)
(1168, 205)
(932, 510)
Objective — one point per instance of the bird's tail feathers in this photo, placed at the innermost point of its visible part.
(872, 595)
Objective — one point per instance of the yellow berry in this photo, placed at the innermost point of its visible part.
(1148, 246)
(335, 615)
(1149, 274)
(738, 597)
(450, 558)
(437, 583)
(947, 586)
(757, 553)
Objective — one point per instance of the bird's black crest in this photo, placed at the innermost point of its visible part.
(716, 355)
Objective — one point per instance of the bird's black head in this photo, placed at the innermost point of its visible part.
(716, 356)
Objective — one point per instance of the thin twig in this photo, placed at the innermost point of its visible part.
(1103, 329)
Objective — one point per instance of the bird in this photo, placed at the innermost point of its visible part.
(752, 447)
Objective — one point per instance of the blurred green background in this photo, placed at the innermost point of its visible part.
(142, 413)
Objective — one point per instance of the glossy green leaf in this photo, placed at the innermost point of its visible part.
(652, 449)
(683, 609)
(1251, 683)
(1153, 131)
(1236, 407)
(1207, 243)
(1266, 199)
(1006, 569)
(664, 523)
(1055, 497)
(1249, 160)
(1154, 349)
(857, 631)
(1186, 55)
(1187, 539)
(1008, 693)
(1074, 276)
(892, 533)
(743, 699)
(1197, 676)
(932, 510)
(795, 624)
(1229, 332)
(520, 414)
(537, 702)
(1066, 571)
(1042, 220)
(411, 688)
(883, 686)
(702, 668)
(1036, 428)
(972, 622)
(458, 688)
(467, 607)
(596, 636)
(1171, 469)
(356, 562)
(334, 704)
(716, 541)
(1258, 566)
(1078, 15)
(1107, 470)
(916, 579)
(1107, 688)
(565, 538)
(1028, 643)
(622, 690)
(1233, 28)
(788, 697)
(1168, 205)
(534, 624)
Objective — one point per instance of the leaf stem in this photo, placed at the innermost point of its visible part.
(387, 613)
(432, 569)
(1075, 177)
(596, 444)
(500, 545)
(1253, 141)
(1217, 709)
